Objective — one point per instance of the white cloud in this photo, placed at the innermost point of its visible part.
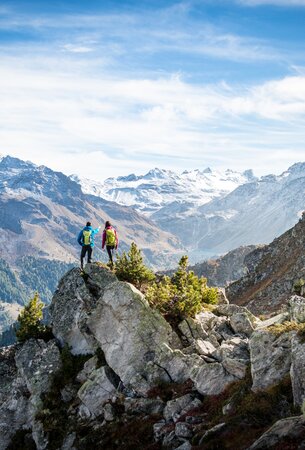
(77, 48)
(80, 109)
(100, 126)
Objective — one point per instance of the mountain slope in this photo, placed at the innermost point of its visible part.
(254, 213)
(226, 269)
(42, 211)
(272, 272)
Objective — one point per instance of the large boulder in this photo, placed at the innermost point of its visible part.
(38, 362)
(97, 390)
(71, 306)
(297, 370)
(270, 357)
(296, 306)
(234, 356)
(15, 407)
(211, 378)
(283, 432)
(96, 310)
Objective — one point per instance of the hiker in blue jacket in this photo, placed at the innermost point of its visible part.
(86, 240)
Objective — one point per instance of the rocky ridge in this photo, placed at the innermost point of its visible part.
(272, 272)
(227, 268)
(125, 359)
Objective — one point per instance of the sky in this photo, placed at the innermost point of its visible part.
(106, 88)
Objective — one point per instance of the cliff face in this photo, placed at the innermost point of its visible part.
(118, 376)
(272, 272)
(227, 268)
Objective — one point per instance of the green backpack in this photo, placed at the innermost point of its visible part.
(87, 237)
(110, 237)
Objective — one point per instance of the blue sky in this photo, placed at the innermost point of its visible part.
(105, 88)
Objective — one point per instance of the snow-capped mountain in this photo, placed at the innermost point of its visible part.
(254, 213)
(158, 188)
(42, 211)
(212, 212)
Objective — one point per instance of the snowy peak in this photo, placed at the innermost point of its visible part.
(159, 188)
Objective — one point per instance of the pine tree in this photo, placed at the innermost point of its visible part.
(182, 295)
(130, 267)
(29, 320)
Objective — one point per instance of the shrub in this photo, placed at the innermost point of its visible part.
(182, 295)
(29, 321)
(130, 267)
(286, 327)
(297, 287)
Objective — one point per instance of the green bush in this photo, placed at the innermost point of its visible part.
(29, 321)
(129, 267)
(297, 287)
(182, 295)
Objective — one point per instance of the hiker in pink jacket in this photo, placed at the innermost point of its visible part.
(110, 238)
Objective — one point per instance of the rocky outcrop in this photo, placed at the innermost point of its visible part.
(14, 398)
(128, 356)
(270, 358)
(28, 372)
(286, 431)
(225, 269)
(297, 370)
(272, 272)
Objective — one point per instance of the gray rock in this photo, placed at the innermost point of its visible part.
(297, 370)
(70, 309)
(192, 329)
(297, 308)
(159, 430)
(211, 378)
(222, 298)
(270, 357)
(171, 441)
(38, 362)
(275, 320)
(39, 435)
(88, 368)
(241, 323)
(98, 390)
(292, 427)
(137, 342)
(68, 393)
(143, 406)
(185, 446)
(68, 442)
(212, 431)
(207, 320)
(15, 407)
(129, 332)
(230, 309)
(234, 356)
(183, 430)
(84, 412)
(109, 413)
(173, 365)
(174, 407)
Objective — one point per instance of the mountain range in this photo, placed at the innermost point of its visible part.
(202, 213)
(42, 211)
(212, 212)
(41, 214)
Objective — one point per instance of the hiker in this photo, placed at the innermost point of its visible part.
(86, 240)
(110, 238)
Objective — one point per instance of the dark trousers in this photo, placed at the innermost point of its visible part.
(85, 249)
(110, 249)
